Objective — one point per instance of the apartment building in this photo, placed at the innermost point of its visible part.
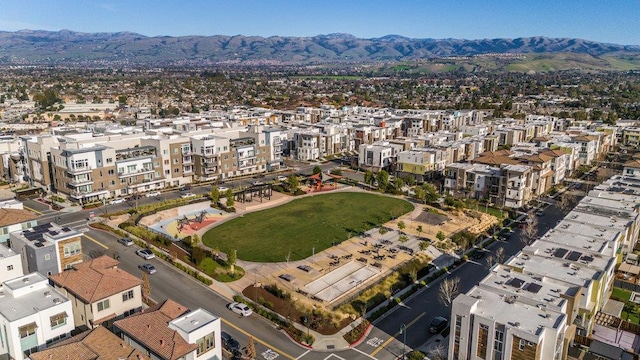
(37, 160)
(378, 156)
(554, 287)
(422, 163)
(47, 248)
(170, 331)
(32, 315)
(100, 292)
(631, 137)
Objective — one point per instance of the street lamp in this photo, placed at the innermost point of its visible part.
(403, 331)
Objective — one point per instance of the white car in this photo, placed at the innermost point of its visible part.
(240, 309)
(281, 178)
(222, 189)
(257, 183)
(116, 201)
(152, 194)
(188, 195)
(145, 254)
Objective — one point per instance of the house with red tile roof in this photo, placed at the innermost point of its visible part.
(170, 331)
(100, 291)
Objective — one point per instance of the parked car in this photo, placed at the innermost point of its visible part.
(438, 324)
(116, 201)
(222, 189)
(478, 255)
(148, 268)
(152, 194)
(539, 213)
(229, 343)
(257, 182)
(240, 308)
(125, 241)
(188, 195)
(134, 197)
(185, 187)
(281, 178)
(145, 254)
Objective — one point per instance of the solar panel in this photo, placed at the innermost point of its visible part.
(533, 288)
(515, 282)
(39, 244)
(65, 229)
(53, 233)
(560, 253)
(574, 256)
(587, 258)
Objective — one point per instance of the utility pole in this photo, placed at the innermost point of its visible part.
(403, 331)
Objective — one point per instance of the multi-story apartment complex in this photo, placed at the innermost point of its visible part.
(32, 315)
(538, 301)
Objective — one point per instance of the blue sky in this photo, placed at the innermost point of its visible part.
(613, 21)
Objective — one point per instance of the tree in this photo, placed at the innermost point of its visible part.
(195, 240)
(369, 178)
(231, 260)
(431, 193)
(229, 195)
(293, 182)
(440, 235)
(419, 229)
(448, 291)
(491, 260)
(383, 179)
(530, 229)
(420, 194)
(146, 286)
(438, 352)
(500, 255)
(317, 170)
(401, 225)
(251, 348)
(215, 195)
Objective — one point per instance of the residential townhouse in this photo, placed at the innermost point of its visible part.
(10, 264)
(631, 137)
(588, 149)
(97, 343)
(632, 168)
(170, 331)
(47, 248)
(32, 315)
(422, 163)
(15, 220)
(100, 292)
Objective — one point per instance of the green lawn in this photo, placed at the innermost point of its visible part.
(621, 294)
(294, 229)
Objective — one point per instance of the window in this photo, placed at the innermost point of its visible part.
(127, 295)
(521, 344)
(498, 342)
(166, 162)
(103, 305)
(9, 267)
(112, 183)
(71, 249)
(109, 160)
(111, 172)
(165, 151)
(27, 330)
(58, 320)
(205, 344)
(175, 150)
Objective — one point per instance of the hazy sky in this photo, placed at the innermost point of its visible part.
(613, 21)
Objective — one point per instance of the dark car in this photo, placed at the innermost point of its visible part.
(478, 254)
(438, 324)
(229, 343)
(185, 187)
(134, 197)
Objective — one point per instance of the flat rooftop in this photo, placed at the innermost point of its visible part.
(6, 252)
(193, 320)
(27, 295)
(45, 235)
(510, 311)
(554, 268)
(584, 255)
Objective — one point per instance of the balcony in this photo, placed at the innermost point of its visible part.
(187, 160)
(80, 182)
(79, 170)
(136, 172)
(84, 194)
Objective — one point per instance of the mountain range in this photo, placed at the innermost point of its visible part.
(65, 46)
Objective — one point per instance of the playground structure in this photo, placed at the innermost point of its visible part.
(323, 182)
(187, 221)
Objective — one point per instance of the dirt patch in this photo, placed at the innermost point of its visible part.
(432, 219)
(322, 323)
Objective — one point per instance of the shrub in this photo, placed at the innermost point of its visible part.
(357, 332)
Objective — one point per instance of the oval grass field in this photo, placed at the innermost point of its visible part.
(294, 229)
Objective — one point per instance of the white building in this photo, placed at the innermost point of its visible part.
(32, 314)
